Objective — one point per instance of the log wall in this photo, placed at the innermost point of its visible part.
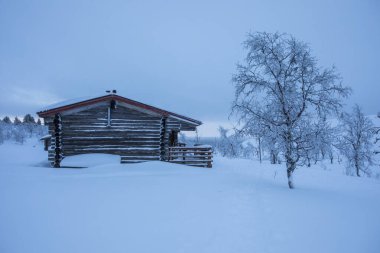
(135, 136)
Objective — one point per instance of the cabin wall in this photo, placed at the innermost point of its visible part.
(49, 123)
(133, 135)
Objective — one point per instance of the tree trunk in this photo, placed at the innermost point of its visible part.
(290, 179)
(259, 149)
(357, 165)
(357, 169)
(290, 162)
(290, 167)
(272, 157)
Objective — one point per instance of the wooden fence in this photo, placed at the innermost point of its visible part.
(193, 156)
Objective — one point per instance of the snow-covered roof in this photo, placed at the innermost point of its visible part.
(45, 137)
(83, 101)
(68, 102)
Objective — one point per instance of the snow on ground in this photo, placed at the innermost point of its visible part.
(237, 206)
(90, 160)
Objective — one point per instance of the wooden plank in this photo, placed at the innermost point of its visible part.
(193, 156)
(110, 142)
(192, 161)
(190, 153)
(172, 157)
(141, 158)
(190, 148)
(133, 161)
(110, 147)
(142, 135)
(114, 152)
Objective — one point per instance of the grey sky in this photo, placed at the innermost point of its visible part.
(178, 55)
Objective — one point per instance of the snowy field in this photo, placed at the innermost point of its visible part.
(237, 206)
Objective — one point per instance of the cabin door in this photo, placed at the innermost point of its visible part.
(173, 138)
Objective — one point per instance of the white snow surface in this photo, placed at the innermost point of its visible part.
(236, 206)
(90, 160)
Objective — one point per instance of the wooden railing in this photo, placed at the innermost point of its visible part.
(200, 156)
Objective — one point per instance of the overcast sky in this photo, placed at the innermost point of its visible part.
(177, 55)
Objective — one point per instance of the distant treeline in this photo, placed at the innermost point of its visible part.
(19, 130)
(355, 140)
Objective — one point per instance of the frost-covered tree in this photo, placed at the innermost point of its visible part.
(281, 88)
(7, 120)
(322, 141)
(229, 145)
(271, 144)
(28, 119)
(377, 138)
(17, 121)
(182, 137)
(6, 128)
(223, 142)
(29, 124)
(329, 140)
(249, 150)
(257, 133)
(2, 131)
(356, 142)
(20, 131)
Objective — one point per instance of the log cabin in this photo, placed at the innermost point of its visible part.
(113, 124)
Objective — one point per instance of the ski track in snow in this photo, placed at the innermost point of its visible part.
(237, 206)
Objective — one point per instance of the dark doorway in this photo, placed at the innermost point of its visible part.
(173, 138)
